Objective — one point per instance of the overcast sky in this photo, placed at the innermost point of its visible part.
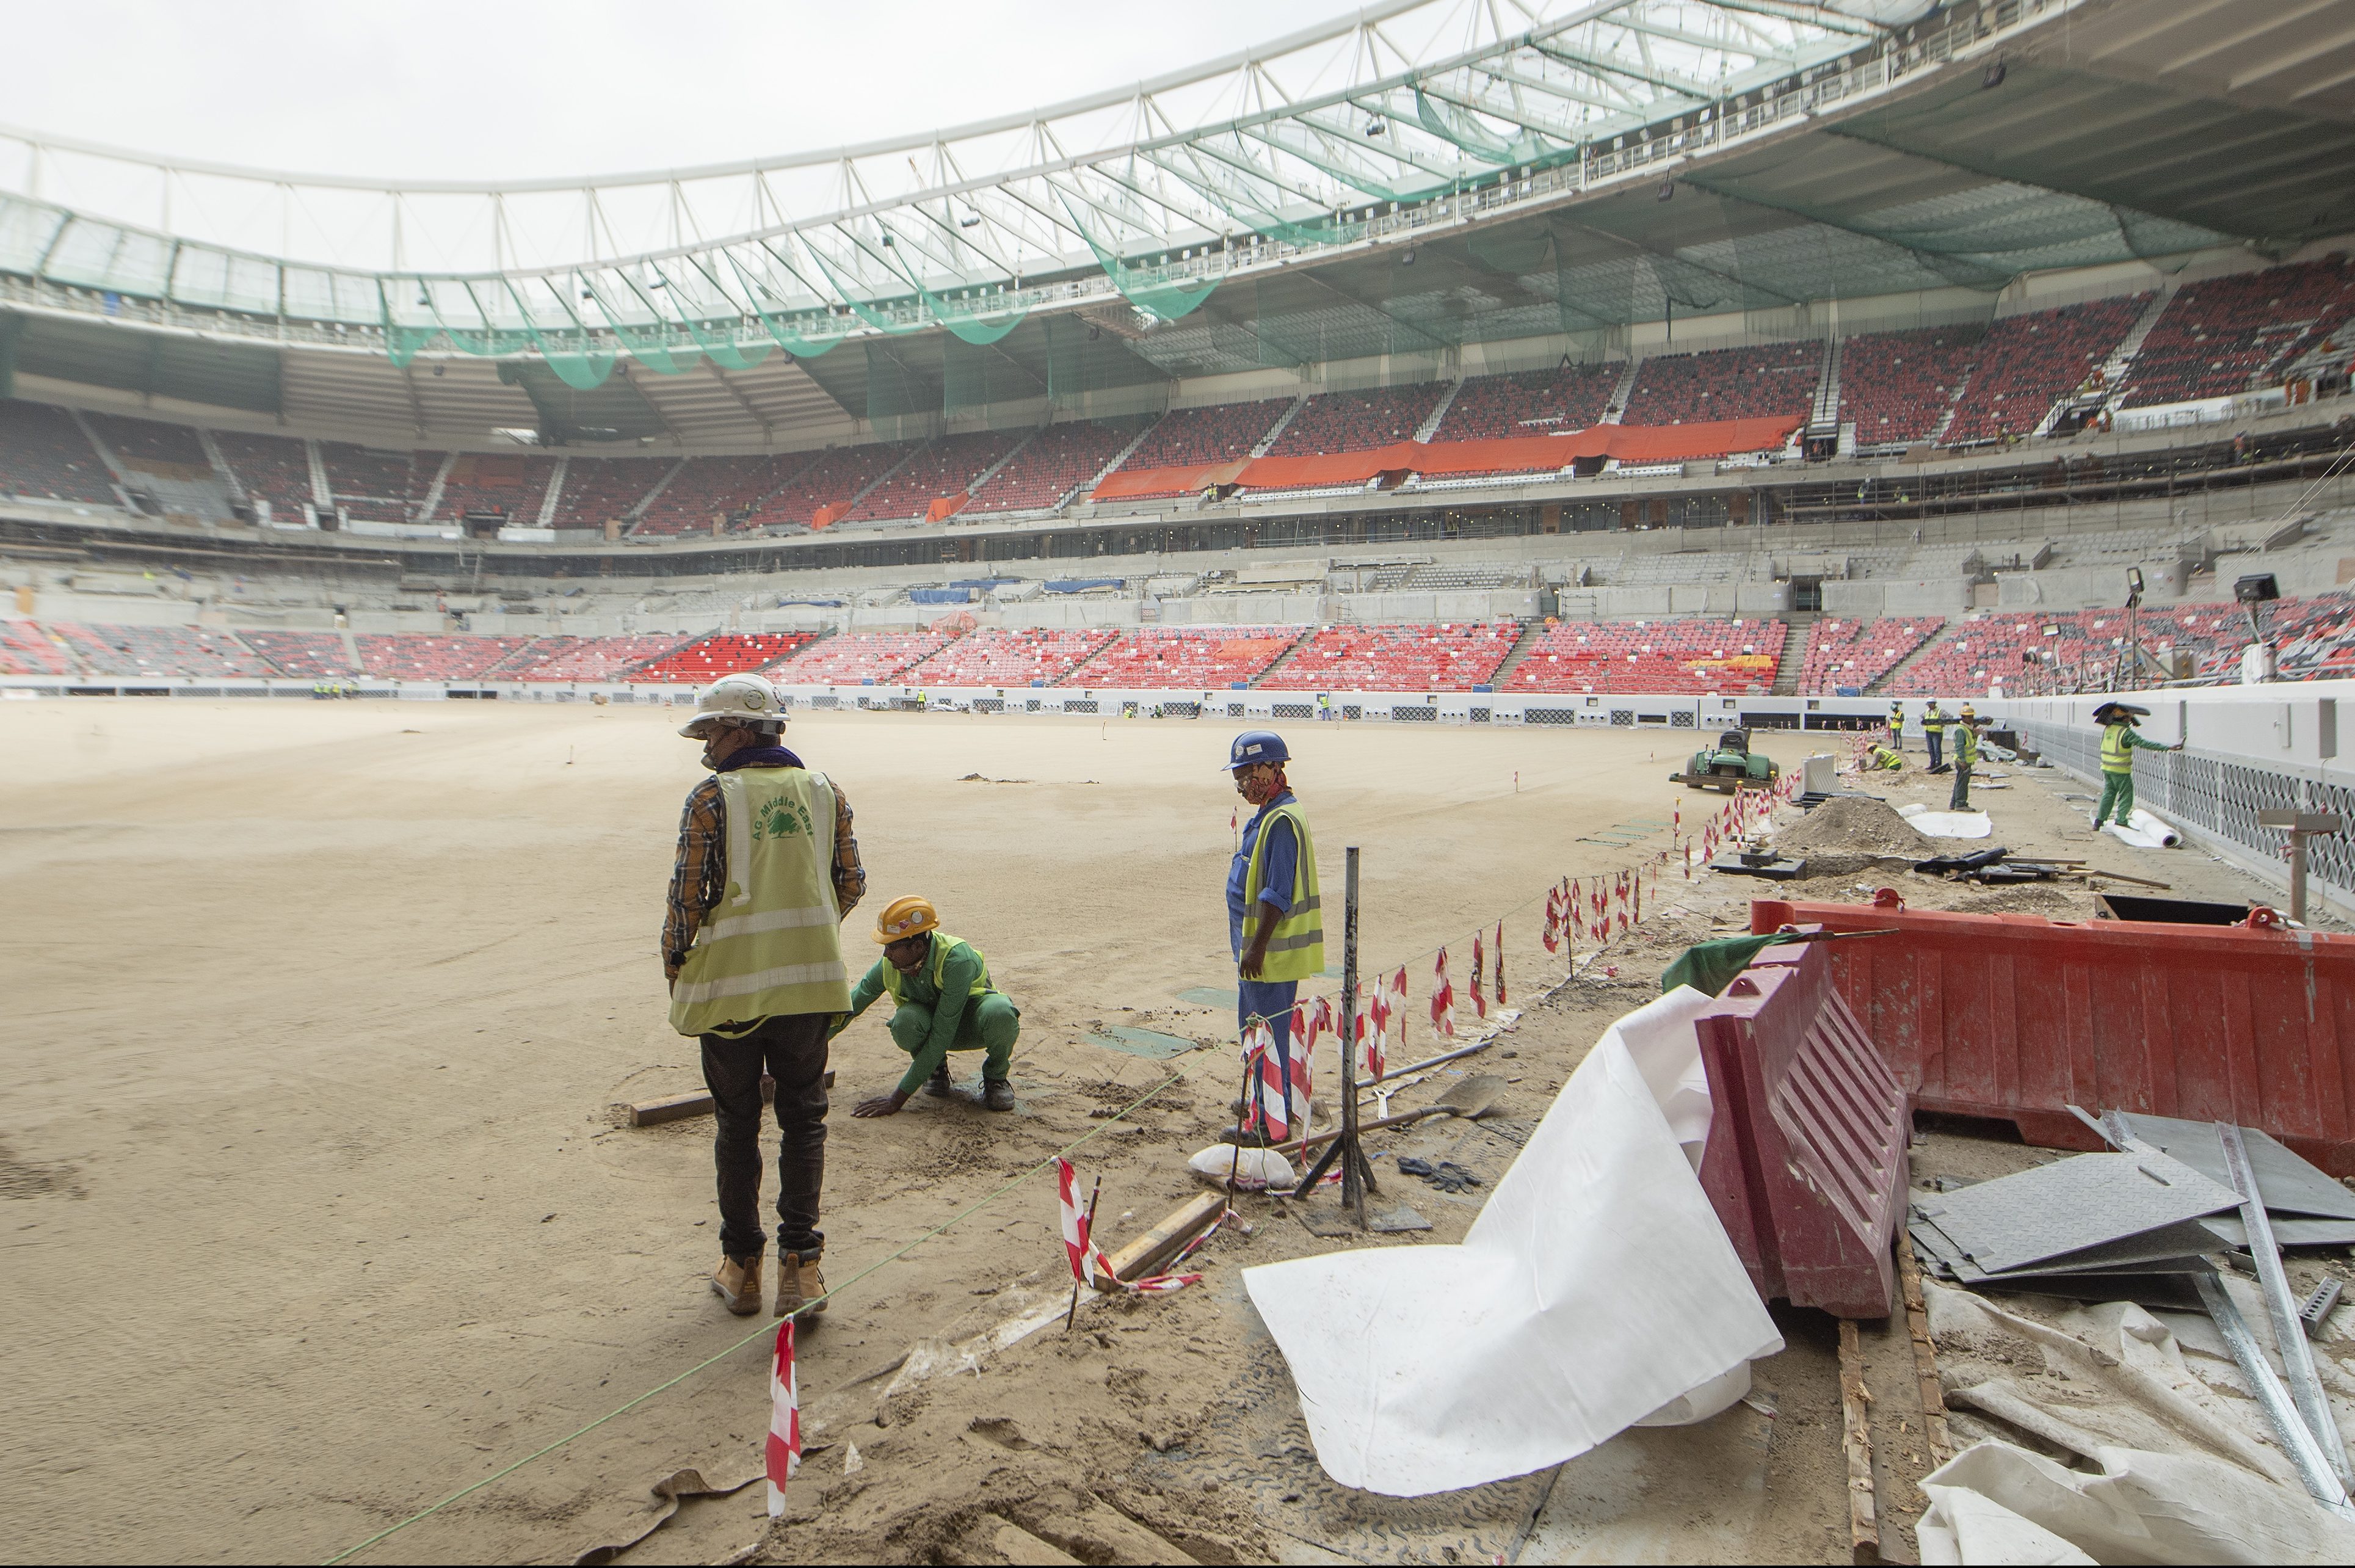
(499, 88)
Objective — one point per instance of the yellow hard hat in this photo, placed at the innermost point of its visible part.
(905, 917)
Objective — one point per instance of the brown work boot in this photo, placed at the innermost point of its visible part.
(799, 1285)
(737, 1282)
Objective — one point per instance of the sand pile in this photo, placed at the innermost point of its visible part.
(1854, 824)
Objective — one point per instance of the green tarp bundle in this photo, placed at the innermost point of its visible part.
(1709, 966)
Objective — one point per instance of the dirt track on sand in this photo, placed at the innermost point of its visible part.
(316, 1214)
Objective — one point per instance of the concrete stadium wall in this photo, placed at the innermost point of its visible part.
(2247, 748)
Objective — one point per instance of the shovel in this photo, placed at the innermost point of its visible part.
(1471, 1098)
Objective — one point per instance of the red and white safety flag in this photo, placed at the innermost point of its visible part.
(1500, 962)
(1577, 913)
(1089, 1266)
(1383, 1020)
(784, 1447)
(1552, 936)
(1267, 1109)
(1637, 893)
(1443, 998)
(1479, 996)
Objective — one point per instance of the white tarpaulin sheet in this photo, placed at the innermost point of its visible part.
(1595, 1289)
(1947, 824)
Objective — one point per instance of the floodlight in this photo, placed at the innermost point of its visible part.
(2256, 588)
(1374, 127)
(1407, 258)
(1993, 77)
(1668, 190)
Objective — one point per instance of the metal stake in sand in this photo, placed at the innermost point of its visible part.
(1357, 1174)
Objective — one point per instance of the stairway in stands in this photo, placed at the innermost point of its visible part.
(1909, 661)
(1307, 635)
(1531, 632)
(1795, 652)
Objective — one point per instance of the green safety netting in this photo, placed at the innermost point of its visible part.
(984, 377)
(901, 402)
(805, 332)
(1162, 291)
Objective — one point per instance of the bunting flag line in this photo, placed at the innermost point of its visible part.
(785, 1445)
(1443, 999)
(1267, 1108)
(1552, 934)
(1500, 962)
(1479, 996)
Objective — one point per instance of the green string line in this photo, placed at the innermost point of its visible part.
(350, 1552)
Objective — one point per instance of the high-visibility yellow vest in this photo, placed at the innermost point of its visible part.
(2117, 751)
(944, 944)
(770, 946)
(1966, 745)
(1933, 722)
(1296, 950)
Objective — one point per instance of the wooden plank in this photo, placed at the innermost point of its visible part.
(1856, 1400)
(1925, 1353)
(678, 1107)
(1148, 1251)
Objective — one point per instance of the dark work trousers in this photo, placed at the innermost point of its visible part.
(792, 1049)
(1937, 738)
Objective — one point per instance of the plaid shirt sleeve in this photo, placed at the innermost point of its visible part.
(702, 863)
(694, 874)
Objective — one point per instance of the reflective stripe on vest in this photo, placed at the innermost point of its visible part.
(1296, 950)
(944, 944)
(1934, 724)
(772, 945)
(2117, 751)
(1966, 745)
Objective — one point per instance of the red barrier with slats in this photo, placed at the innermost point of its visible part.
(1805, 1160)
(2016, 1017)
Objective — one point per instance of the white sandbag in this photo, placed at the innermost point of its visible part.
(2145, 831)
(1595, 1289)
(1951, 824)
(1254, 1169)
(2141, 1507)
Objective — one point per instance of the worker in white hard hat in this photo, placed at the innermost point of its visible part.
(767, 868)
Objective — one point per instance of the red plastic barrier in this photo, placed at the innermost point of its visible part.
(2017, 1018)
(1806, 1161)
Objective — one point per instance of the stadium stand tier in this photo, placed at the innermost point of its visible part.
(1057, 461)
(186, 651)
(1725, 384)
(43, 455)
(836, 477)
(724, 653)
(938, 473)
(513, 486)
(1444, 657)
(432, 655)
(1221, 433)
(585, 659)
(853, 657)
(1896, 386)
(2222, 335)
(1180, 657)
(307, 656)
(1848, 656)
(1040, 657)
(377, 483)
(1674, 657)
(26, 649)
(2028, 361)
(1357, 422)
(138, 443)
(721, 489)
(1535, 403)
(599, 490)
(273, 468)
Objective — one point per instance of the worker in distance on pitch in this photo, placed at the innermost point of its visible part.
(942, 1001)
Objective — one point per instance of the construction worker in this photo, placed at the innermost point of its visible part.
(1966, 757)
(1933, 732)
(942, 1001)
(766, 869)
(2118, 742)
(1275, 921)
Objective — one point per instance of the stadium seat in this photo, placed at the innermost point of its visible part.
(717, 488)
(1725, 384)
(1057, 461)
(586, 659)
(850, 657)
(1852, 654)
(513, 486)
(161, 651)
(1536, 402)
(2229, 334)
(1357, 422)
(1034, 656)
(836, 477)
(307, 656)
(1676, 657)
(1447, 658)
(26, 649)
(1896, 386)
(941, 469)
(44, 456)
(2028, 362)
(375, 484)
(432, 656)
(1180, 657)
(599, 490)
(726, 653)
(1193, 438)
(273, 468)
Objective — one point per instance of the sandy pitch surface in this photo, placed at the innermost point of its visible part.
(314, 1012)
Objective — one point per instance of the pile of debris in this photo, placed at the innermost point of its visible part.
(2153, 1224)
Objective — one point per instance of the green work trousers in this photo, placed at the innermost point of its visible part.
(1962, 798)
(2117, 791)
(990, 1024)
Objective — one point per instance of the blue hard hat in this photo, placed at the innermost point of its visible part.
(1256, 746)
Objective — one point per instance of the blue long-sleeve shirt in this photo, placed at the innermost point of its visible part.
(1282, 869)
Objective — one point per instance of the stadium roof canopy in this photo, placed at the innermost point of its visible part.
(1416, 177)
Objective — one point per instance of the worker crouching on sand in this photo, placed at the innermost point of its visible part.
(942, 1001)
(1275, 921)
(2118, 745)
(767, 868)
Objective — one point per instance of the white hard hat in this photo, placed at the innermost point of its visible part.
(738, 699)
